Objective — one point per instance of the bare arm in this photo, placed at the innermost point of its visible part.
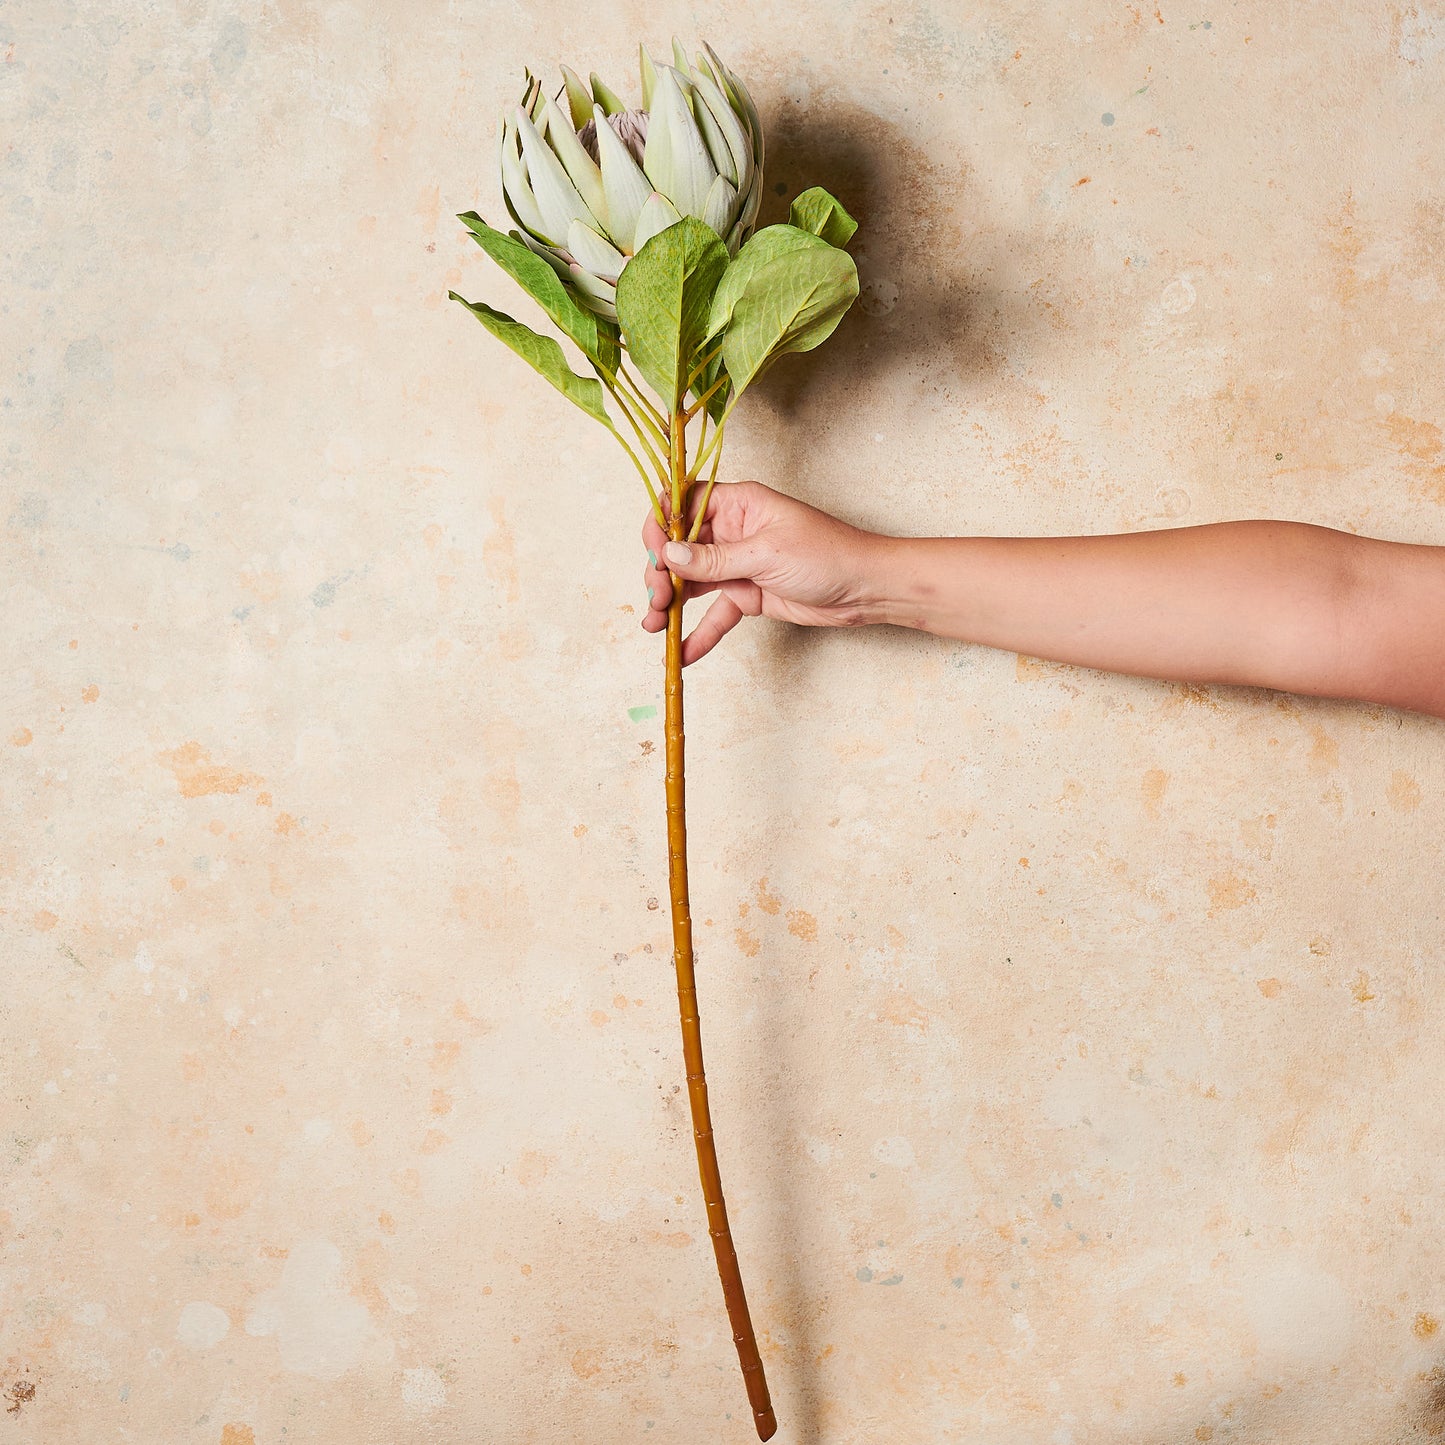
(1268, 604)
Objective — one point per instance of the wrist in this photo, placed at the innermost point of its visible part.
(883, 570)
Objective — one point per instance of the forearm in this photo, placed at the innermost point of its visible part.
(1260, 603)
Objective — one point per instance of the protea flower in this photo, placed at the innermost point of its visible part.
(590, 183)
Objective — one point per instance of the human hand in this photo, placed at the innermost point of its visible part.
(764, 554)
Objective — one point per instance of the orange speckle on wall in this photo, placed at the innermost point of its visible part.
(802, 925)
(441, 1102)
(444, 1055)
(1228, 891)
(178, 883)
(90, 693)
(385, 1223)
(748, 943)
(532, 1168)
(586, 1363)
(1425, 1325)
(22, 738)
(1269, 987)
(1360, 988)
(768, 902)
(45, 920)
(361, 1135)
(599, 1017)
(237, 1435)
(434, 1140)
(198, 777)
(1404, 793)
(1152, 787)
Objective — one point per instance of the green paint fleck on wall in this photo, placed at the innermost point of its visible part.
(641, 714)
(864, 1275)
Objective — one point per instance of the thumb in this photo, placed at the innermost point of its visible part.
(718, 562)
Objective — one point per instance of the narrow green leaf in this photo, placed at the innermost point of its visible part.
(540, 282)
(664, 296)
(786, 291)
(816, 211)
(545, 355)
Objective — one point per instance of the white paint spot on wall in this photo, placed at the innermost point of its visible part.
(896, 1151)
(1178, 296)
(401, 1297)
(819, 1150)
(202, 1325)
(320, 1329)
(423, 1389)
(1422, 37)
(317, 1131)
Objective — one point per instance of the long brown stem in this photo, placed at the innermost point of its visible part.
(717, 1216)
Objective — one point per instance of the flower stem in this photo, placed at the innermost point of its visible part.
(702, 366)
(707, 491)
(642, 442)
(729, 1273)
(659, 421)
(701, 402)
(712, 446)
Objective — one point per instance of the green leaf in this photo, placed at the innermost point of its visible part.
(816, 211)
(786, 291)
(663, 300)
(545, 355)
(542, 284)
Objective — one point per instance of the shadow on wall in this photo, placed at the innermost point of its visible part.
(928, 305)
(926, 298)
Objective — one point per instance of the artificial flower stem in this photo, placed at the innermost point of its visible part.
(706, 495)
(657, 417)
(702, 366)
(701, 402)
(718, 1228)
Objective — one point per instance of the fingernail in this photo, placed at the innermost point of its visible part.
(652, 556)
(650, 594)
(678, 552)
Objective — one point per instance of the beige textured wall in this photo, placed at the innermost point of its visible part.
(1075, 1040)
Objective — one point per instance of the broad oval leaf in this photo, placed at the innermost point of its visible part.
(543, 285)
(545, 355)
(664, 298)
(816, 211)
(786, 291)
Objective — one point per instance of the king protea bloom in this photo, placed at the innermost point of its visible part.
(589, 182)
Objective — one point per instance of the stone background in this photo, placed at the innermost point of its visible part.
(1075, 1039)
